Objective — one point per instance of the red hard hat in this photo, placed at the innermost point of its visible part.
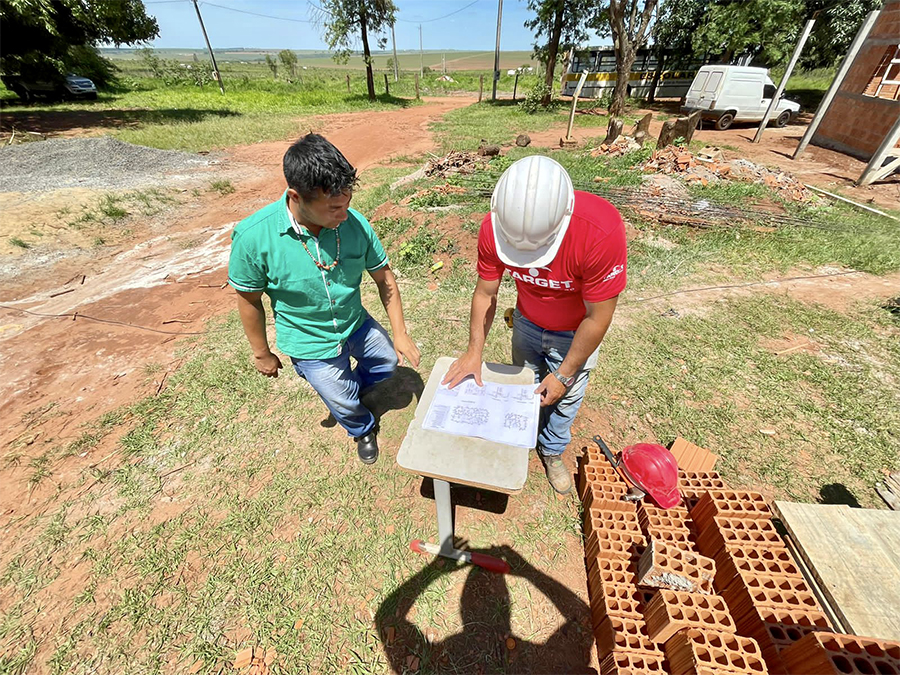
(653, 469)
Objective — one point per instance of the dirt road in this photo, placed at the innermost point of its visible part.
(59, 373)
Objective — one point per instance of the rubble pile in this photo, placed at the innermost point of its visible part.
(619, 147)
(456, 162)
(709, 167)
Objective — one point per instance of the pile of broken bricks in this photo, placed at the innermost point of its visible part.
(708, 165)
(705, 588)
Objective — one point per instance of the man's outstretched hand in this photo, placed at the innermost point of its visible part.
(405, 347)
(465, 365)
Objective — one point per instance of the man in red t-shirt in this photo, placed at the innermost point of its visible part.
(566, 250)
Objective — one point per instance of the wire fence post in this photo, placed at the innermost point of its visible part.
(515, 85)
(348, 83)
(480, 87)
(387, 88)
(417, 86)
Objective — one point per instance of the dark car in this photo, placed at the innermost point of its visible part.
(69, 86)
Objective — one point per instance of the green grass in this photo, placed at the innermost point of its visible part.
(18, 242)
(708, 376)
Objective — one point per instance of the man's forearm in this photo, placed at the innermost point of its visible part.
(588, 336)
(253, 319)
(481, 317)
(389, 292)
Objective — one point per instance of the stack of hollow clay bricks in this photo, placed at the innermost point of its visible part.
(705, 588)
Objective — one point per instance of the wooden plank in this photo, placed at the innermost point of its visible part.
(854, 555)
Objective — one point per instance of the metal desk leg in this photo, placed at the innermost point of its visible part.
(446, 549)
(444, 507)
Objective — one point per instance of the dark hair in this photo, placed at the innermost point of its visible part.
(312, 163)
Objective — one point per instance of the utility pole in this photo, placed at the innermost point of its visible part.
(212, 56)
(421, 55)
(496, 51)
(396, 67)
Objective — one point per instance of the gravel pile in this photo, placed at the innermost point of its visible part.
(101, 162)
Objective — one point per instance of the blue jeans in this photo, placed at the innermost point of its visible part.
(339, 385)
(543, 351)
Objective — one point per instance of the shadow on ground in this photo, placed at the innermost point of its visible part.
(56, 121)
(482, 646)
(837, 493)
(396, 393)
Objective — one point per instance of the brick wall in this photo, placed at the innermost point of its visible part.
(856, 124)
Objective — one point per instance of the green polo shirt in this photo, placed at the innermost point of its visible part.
(315, 310)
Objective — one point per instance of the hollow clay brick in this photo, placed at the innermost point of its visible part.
(701, 480)
(663, 523)
(647, 509)
(670, 611)
(630, 663)
(776, 629)
(595, 473)
(619, 520)
(663, 566)
(742, 600)
(607, 496)
(742, 586)
(692, 649)
(729, 504)
(610, 600)
(613, 543)
(744, 532)
(624, 573)
(682, 537)
(735, 561)
(622, 634)
(824, 653)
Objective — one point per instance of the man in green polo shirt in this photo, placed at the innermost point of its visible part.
(307, 252)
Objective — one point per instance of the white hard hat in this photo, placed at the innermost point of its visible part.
(530, 211)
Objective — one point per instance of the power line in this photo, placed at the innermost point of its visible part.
(461, 9)
(265, 16)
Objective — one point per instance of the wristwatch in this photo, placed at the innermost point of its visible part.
(566, 381)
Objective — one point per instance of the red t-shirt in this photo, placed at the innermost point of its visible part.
(589, 266)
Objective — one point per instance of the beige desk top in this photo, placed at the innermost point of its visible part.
(461, 459)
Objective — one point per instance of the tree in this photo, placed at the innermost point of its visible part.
(563, 24)
(628, 21)
(765, 29)
(673, 33)
(343, 18)
(273, 66)
(44, 39)
(835, 28)
(289, 61)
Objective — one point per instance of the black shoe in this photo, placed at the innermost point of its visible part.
(367, 448)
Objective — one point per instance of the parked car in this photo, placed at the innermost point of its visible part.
(726, 94)
(69, 86)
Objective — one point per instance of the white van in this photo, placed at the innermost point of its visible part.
(729, 94)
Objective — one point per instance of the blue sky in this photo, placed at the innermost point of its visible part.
(473, 28)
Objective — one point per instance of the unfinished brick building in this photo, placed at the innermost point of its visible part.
(867, 105)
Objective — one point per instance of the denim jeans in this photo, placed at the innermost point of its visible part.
(339, 385)
(543, 351)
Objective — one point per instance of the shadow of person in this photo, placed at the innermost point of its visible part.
(485, 609)
(395, 393)
(837, 493)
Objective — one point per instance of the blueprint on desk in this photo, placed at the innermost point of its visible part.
(503, 413)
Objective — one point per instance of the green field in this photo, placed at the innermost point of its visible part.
(407, 60)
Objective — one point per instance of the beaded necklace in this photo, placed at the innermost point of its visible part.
(337, 257)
